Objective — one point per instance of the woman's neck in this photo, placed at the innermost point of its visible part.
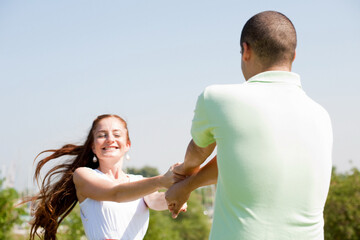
(114, 171)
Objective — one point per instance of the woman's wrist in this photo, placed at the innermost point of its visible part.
(162, 181)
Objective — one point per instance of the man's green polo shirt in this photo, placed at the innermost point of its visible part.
(274, 148)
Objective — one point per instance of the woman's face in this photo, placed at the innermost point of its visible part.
(110, 139)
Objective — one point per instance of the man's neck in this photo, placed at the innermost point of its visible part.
(271, 68)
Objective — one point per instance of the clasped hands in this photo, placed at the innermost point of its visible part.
(179, 192)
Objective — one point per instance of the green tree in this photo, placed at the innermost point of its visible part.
(342, 209)
(9, 213)
(146, 171)
(71, 227)
(192, 225)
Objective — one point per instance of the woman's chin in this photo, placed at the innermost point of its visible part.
(111, 157)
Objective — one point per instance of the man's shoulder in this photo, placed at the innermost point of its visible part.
(215, 87)
(221, 89)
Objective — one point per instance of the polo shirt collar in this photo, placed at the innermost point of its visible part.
(276, 77)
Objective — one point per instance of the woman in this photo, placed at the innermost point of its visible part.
(113, 205)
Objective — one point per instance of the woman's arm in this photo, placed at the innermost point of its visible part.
(89, 185)
(157, 202)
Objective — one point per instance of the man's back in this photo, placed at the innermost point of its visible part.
(274, 157)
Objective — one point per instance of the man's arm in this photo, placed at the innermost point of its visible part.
(194, 157)
(179, 193)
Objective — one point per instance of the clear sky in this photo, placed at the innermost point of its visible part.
(62, 63)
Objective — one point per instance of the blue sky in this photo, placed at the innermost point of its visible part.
(62, 63)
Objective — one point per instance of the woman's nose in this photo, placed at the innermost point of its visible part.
(110, 138)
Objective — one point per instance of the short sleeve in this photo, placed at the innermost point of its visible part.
(201, 129)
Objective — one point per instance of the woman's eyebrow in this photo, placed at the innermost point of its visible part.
(101, 131)
(105, 131)
(117, 130)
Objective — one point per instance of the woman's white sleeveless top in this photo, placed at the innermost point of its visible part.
(112, 220)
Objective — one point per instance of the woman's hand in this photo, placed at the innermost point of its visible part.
(169, 178)
(184, 207)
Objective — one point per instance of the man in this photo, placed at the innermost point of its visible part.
(274, 144)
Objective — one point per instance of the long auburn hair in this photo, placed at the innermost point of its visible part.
(56, 199)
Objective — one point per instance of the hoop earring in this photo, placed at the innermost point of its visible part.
(95, 159)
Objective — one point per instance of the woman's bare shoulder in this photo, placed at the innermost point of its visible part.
(82, 173)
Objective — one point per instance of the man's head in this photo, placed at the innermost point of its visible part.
(271, 36)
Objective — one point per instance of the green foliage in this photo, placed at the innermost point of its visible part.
(9, 214)
(342, 209)
(71, 227)
(146, 171)
(192, 225)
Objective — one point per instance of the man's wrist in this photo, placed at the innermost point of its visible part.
(191, 183)
(190, 169)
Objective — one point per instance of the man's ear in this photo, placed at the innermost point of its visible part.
(294, 56)
(246, 55)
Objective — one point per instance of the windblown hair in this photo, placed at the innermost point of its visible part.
(272, 37)
(57, 195)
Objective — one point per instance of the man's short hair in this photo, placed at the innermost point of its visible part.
(272, 36)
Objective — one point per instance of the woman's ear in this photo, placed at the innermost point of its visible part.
(128, 144)
(93, 148)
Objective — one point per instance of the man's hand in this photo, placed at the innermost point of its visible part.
(176, 197)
